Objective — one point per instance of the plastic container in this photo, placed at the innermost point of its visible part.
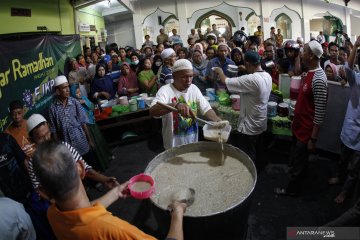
(140, 103)
(271, 109)
(141, 186)
(133, 105)
(107, 110)
(284, 85)
(212, 134)
(295, 87)
(210, 92)
(123, 100)
(283, 109)
(235, 99)
(148, 101)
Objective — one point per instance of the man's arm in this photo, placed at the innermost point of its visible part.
(110, 182)
(352, 56)
(176, 224)
(88, 136)
(158, 110)
(297, 67)
(211, 115)
(113, 195)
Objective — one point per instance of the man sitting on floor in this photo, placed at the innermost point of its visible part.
(72, 216)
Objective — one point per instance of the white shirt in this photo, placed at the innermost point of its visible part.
(177, 130)
(254, 90)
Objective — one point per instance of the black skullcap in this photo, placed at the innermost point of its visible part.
(252, 57)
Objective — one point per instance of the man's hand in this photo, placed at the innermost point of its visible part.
(217, 70)
(29, 150)
(184, 110)
(111, 182)
(105, 95)
(177, 208)
(311, 146)
(123, 190)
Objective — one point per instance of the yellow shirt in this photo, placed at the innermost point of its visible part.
(94, 222)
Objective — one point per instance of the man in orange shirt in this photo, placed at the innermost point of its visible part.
(17, 128)
(72, 215)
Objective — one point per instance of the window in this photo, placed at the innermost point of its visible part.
(284, 23)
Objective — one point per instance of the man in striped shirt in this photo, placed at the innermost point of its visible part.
(309, 114)
(39, 132)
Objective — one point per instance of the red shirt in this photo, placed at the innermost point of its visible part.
(303, 122)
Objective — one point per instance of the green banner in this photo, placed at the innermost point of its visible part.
(28, 68)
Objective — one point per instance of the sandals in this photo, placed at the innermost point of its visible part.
(283, 192)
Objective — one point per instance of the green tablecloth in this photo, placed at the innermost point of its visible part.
(276, 125)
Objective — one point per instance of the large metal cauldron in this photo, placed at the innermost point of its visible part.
(229, 224)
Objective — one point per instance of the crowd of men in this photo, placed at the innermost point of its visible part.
(46, 157)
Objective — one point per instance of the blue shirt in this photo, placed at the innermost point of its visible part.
(104, 84)
(350, 133)
(66, 121)
(215, 62)
(165, 76)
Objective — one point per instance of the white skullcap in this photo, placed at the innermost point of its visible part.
(300, 39)
(167, 53)
(316, 48)
(224, 44)
(182, 64)
(60, 80)
(33, 121)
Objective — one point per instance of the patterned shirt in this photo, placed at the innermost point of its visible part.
(35, 181)
(66, 121)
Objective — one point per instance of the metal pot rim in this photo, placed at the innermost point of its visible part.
(182, 149)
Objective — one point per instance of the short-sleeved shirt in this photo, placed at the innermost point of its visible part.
(147, 75)
(35, 181)
(92, 222)
(19, 133)
(215, 62)
(15, 223)
(254, 90)
(14, 180)
(66, 122)
(177, 130)
(165, 76)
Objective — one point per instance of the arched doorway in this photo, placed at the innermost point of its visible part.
(253, 21)
(327, 23)
(221, 20)
(284, 23)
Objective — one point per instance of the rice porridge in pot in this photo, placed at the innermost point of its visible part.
(217, 187)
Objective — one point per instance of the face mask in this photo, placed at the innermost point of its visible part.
(158, 64)
(136, 62)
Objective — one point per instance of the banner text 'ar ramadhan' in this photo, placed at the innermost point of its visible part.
(23, 70)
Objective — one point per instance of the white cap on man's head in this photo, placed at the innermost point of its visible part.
(33, 121)
(60, 80)
(167, 52)
(316, 48)
(182, 64)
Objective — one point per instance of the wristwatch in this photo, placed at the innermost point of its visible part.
(313, 140)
